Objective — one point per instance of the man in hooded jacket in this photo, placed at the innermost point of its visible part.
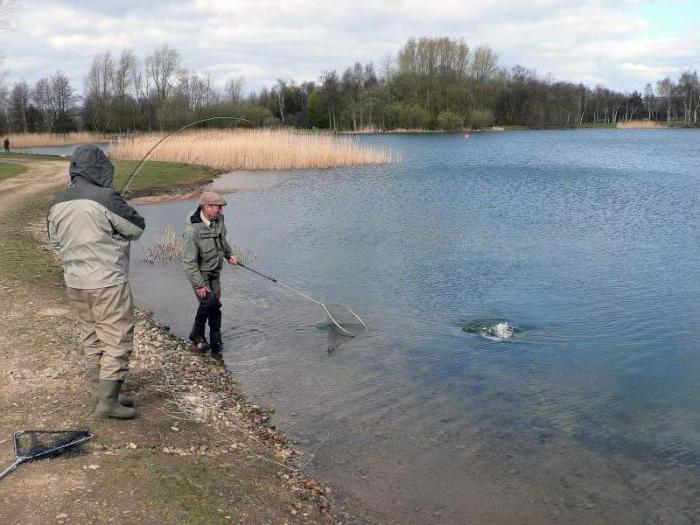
(92, 227)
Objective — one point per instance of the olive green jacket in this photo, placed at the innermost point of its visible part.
(204, 249)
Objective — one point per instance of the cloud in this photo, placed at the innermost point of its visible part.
(587, 41)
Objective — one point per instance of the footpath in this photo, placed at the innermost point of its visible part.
(197, 453)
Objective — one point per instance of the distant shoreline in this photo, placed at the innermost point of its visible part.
(633, 124)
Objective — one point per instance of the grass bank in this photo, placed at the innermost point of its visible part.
(8, 170)
(257, 149)
(154, 177)
(158, 177)
(198, 453)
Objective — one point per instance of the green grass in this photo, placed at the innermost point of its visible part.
(598, 125)
(178, 491)
(22, 259)
(32, 156)
(153, 178)
(160, 177)
(8, 170)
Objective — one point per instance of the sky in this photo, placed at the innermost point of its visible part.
(622, 44)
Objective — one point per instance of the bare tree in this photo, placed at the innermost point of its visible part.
(233, 90)
(19, 106)
(122, 80)
(41, 98)
(689, 90)
(196, 91)
(55, 99)
(162, 68)
(665, 89)
(279, 91)
(649, 100)
(98, 90)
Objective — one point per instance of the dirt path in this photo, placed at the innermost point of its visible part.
(39, 177)
(198, 453)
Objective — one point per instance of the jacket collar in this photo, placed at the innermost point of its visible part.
(196, 218)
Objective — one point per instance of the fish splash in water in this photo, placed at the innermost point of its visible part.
(495, 329)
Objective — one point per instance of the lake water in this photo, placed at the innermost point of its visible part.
(56, 150)
(585, 241)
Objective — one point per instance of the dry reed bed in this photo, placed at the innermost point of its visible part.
(254, 150)
(32, 140)
(640, 124)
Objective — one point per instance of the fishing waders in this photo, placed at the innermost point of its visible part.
(93, 375)
(109, 405)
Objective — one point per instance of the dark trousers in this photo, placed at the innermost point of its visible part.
(209, 309)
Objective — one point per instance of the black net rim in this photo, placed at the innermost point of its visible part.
(78, 437)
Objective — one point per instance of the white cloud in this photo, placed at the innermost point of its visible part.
(587, 41)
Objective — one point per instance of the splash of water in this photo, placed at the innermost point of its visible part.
(494, 329)
(499, 332)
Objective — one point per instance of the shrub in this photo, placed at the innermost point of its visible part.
(481, 118)
(448, 121)
(414, 117)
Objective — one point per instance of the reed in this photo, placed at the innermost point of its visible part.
(640, 124)
(167, 247)
(33, 140)
(258, 149)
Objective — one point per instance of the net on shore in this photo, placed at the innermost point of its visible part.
(30, 445)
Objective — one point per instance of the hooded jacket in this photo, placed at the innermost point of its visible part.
(92, 225)
(204, 248)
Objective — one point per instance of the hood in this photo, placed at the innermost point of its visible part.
(90, 163)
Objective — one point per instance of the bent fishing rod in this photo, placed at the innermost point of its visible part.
(138, 167)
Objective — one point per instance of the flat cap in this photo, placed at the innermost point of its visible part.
(211, 197)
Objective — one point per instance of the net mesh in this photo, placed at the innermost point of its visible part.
(32, 444)
(344, 320)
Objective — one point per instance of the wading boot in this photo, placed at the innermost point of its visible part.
(109, 406)
(216, 345)
(199, 342)
(93, 373)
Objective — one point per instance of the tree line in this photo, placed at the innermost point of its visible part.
(431, 84)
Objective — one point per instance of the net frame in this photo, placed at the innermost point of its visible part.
(343, 327)
(333, 319)
(77, 438)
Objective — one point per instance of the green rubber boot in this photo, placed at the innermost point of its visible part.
(93, 373)
(109, 406)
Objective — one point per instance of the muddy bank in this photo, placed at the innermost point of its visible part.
(198, 451)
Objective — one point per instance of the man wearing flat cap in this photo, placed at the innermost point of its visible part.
(204, 248)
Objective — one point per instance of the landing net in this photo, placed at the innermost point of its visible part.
(343, 319)
(37, 444)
